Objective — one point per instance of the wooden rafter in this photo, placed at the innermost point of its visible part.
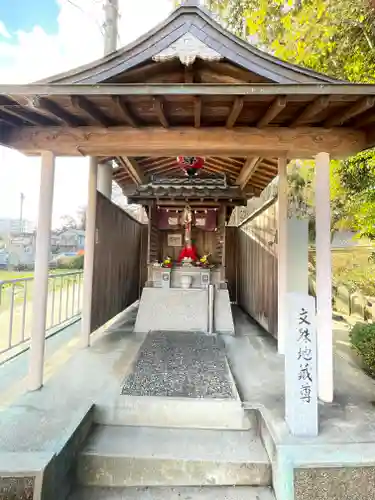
(160, 111)
(157, 163)
(92, 111)
(156, 170)
(154, 141)
(124, 110)
(235, 112)
(133, 169)
(365, 119)
(356, 109)
(54, 110)
(227, 164)
(313, 109)
(32, 118)
(10, 120)
(247, 170)
(273, 111)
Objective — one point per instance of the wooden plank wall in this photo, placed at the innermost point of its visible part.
(231, 260)
(257, 267)
(154, 234)
(119, 261)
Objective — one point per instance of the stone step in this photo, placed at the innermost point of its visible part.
(146, 456)
(176, 412)
(187, 493)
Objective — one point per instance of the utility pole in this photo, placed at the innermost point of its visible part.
(22, 199)
(110, 26)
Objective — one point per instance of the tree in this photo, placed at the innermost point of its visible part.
(70, 222)
(335, 37)
(357, 175)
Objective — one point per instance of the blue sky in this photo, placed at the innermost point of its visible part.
(25, 14)
(39, 38)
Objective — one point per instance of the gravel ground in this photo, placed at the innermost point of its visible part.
(180, 365)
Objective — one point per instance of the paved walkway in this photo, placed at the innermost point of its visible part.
(13, 373)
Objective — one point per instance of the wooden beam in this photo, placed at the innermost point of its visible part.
(162, 89)
(133, 169)
(160, 112)
(213, 141)
(50, 107)
(92, 111)
(124, 111)
(247, 171)
(273, 111)
(197, 111)
(356, 109)
(235, 112)
(311, 110)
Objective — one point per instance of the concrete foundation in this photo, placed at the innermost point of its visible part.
(173, 309)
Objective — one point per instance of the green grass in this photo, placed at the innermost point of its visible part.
(12, 275)
(351, 267)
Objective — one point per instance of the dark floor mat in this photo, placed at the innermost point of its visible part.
(174, 364)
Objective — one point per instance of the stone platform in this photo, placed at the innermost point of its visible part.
(187, 365)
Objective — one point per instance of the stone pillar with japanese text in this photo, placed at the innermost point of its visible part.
(301, 383)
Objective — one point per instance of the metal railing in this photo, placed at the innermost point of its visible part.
(16, 296)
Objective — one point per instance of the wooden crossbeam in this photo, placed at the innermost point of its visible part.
(160, 112)
(247, 171)
(270, 142)
(311, 110)
(133, 169)
(273, 111)
(51, 108)
(163, 89)
(92, 111)
(124, 110)
(235, 112)
(356, 109)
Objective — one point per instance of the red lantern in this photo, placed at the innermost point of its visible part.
(191, 164)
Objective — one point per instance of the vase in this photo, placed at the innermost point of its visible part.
(186, 281)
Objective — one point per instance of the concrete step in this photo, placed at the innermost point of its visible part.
(176, 412)
(187, 493)
(146, 456)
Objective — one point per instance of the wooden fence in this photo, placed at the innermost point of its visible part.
(120, 268)
(257, 266)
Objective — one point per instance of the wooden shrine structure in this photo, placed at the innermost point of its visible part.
(188, 87)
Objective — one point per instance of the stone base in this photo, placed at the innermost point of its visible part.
(180, 310)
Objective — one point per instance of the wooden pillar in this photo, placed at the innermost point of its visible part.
(221, 229)
(40, 295)
(105, 179)
(282, 255)
(324, 277)
(88, 271)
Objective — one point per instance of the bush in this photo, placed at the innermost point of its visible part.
(362, 337)
(71, 262)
